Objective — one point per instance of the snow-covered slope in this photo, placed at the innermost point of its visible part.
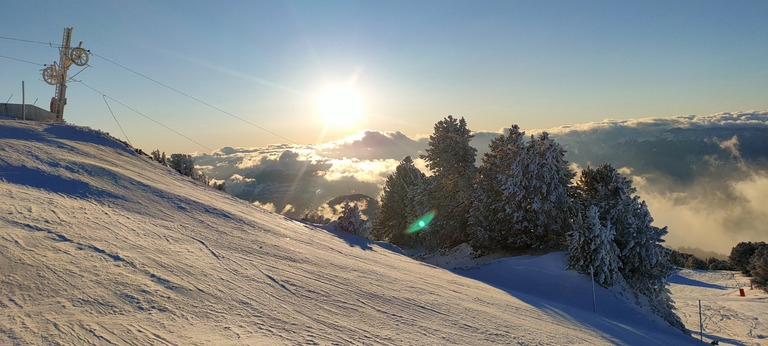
(726, 316)
(100, 245)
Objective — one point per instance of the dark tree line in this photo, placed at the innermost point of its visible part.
(689, 261)
(751, 258)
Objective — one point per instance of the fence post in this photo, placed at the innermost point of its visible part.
(23, 102)
(594, 301)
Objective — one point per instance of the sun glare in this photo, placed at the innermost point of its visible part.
(339, 105)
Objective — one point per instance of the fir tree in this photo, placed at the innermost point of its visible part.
(741, 254)
(522, 195)
(452, 162)
(497, 194)
(183, 163)
(644, 265)
(548, 205)
(398, 206)
(759, 268)
(592, 246)
(156, 155)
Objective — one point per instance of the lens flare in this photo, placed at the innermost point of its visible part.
(421, 222)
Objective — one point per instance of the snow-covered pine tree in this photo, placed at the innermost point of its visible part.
(644, 265)
(398, 206)
(496, 198)
(350, 220)
(183, 163)
(592, 245)
(548, 206)
(605, 188)
(156, 155)
(523, 194)
(452, 162)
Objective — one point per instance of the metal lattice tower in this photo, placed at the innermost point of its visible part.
(56, 74)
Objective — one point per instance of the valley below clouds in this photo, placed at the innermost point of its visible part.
(705, 177)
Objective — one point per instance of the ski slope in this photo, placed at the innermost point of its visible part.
(726, 316)
(101, 245)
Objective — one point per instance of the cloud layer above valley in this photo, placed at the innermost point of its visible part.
(297, 179)
(706, 177)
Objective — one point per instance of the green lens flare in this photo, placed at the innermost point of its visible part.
(421, 222)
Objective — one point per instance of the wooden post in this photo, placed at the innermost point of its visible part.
(23, 103)
(701, 324)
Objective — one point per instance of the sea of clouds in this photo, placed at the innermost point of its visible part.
(705, 177)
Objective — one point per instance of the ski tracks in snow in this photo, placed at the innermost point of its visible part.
(726, 316)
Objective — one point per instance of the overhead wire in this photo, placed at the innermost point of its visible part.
(192, 97)
(114, 117)
(154, 81)
(23, 40)
(144, 115)
(22, 60)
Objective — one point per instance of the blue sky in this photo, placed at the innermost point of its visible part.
(538, 64)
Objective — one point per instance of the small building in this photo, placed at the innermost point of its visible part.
(15, 110)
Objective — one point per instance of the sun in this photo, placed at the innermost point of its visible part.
(339, 105)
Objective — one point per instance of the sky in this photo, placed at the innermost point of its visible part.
(260, 67)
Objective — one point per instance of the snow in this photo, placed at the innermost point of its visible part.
(727, 317)
(542, 281)
(101, 245)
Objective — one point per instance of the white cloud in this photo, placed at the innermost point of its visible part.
(371, 171)
(653, 126)
(288, 209)
(266, 206)
(372, 145)
(732, 145)
(713, 222)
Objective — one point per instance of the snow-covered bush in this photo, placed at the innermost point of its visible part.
(351, 220)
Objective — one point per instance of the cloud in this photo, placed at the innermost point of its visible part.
(732, 145)
(713, 218)
(652, 126)
(296, 179)
(706, 177)
(374, 145)
(371, 171)
(701, 175)
(266, 206)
